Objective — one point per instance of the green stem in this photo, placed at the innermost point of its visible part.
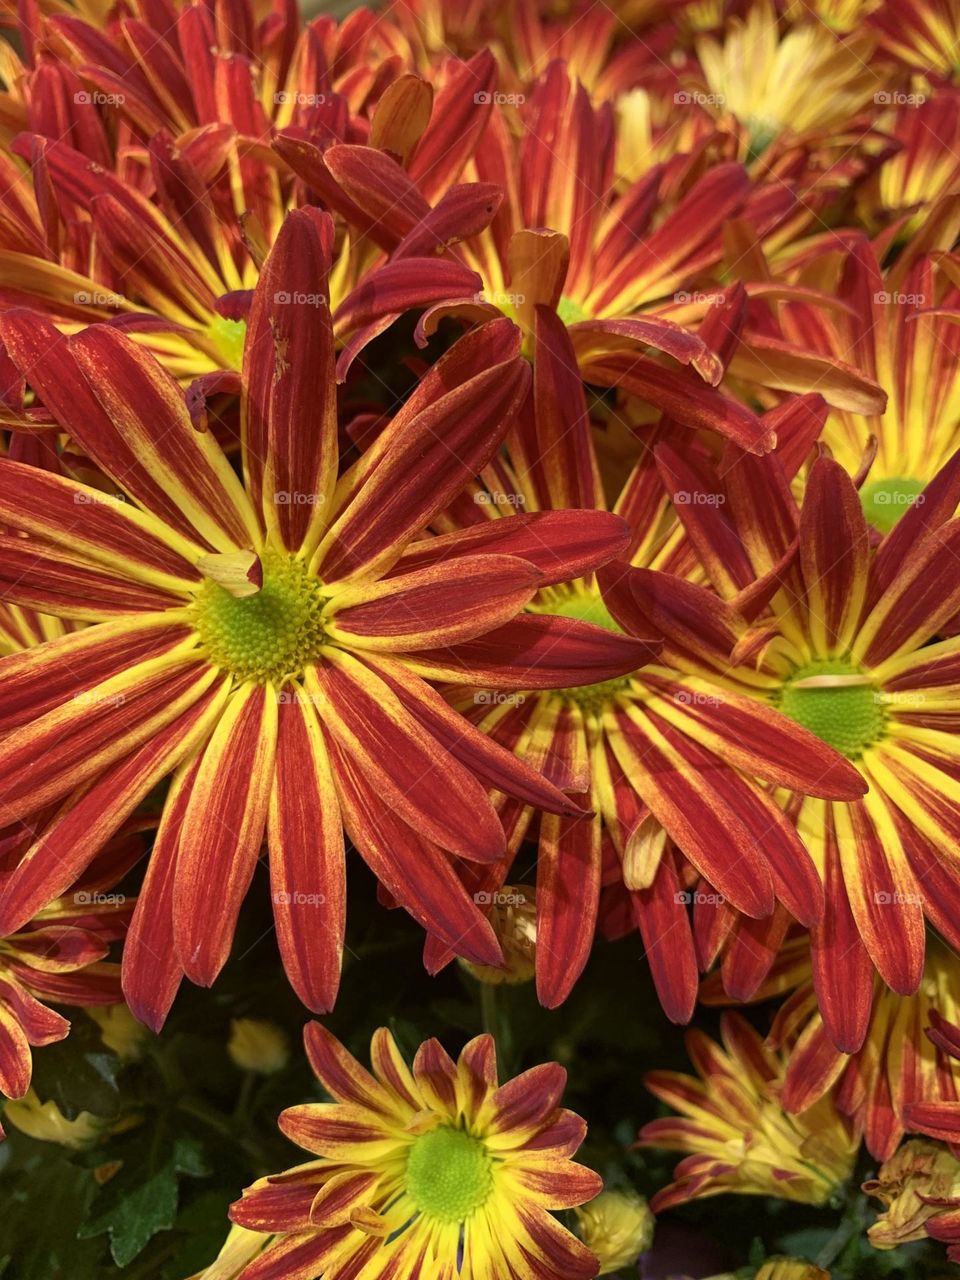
(851, 1223)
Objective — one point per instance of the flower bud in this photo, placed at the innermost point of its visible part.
(258, 1045)
(617, 1226)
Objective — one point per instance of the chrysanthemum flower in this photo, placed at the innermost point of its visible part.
(266, 644)
(813, 623)
(907, 187)
(605, 262)
(919, 1187)
(617, 1226)
(58, 957)
(897, 329)
(737, 1134)
(925, 34)
(762, 78)
(437, 1163)
(897, 1063)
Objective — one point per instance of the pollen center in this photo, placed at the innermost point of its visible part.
(844, 712)
(269, 636)
(885, 501)
(448, 1174)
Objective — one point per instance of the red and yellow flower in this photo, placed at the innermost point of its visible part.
(736, 1133)
(268, 644)
(438, 1163)
(811, 620)
(897, 1063)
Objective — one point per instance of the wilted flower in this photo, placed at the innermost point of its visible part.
(916, 1184)
(513, 918)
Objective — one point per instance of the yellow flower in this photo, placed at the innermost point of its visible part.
(257, 1045)
(790, 1269)
(45, 1122)
(119, 1030)
(617, 1226)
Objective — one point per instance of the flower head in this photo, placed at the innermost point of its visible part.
(737, 1134)
(617, 1226)
(266, 643)
(439, 1161)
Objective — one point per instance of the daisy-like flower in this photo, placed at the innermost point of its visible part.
(59, 958)
(264, 644)
(897, 1064)
(608, 262)
(438, 1169)
(908, 186)
(899, 329)
(924, 34)
(761, 77)
(649, 757)
(734, 1128)
(815, 623)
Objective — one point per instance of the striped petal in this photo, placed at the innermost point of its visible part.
(435, 796)
(439, 605)
(307, 858)
(222, 830)
(287, 371)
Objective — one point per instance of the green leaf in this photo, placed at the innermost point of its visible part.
(141, 1199)
(78, 1074)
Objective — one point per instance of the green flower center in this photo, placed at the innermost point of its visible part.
(449, 1174)
(269, 636)
(885, 501)
(571, 312)
(589, 607)
(228, 337)
(847, 716)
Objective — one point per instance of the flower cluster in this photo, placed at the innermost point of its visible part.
(500, 459)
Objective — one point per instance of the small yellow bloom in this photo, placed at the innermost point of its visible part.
(617, 1226)
(119, 1030)
(258, 1045)
(790, 1269)
(45, 1122)
(918, 1172)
